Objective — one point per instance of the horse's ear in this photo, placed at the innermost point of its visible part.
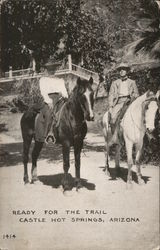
(149, 94)
(91, 80)
(158, 95)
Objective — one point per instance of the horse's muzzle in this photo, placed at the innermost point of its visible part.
(90, 118)
(149, 133)
(150, 130)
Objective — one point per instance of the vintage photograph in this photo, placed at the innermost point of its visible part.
(79, 124)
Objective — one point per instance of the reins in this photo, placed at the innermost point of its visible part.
(54, 111)
(60, 114)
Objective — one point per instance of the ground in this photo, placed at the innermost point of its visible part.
(122, 218)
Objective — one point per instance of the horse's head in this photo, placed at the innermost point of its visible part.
(150, 114)
(86, 97)
(158, 99)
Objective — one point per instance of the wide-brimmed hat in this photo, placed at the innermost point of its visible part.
(123, 66)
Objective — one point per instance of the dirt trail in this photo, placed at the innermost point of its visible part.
(129, 218)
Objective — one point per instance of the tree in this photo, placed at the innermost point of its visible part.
(40, 25)
(150, 42)
(28, 23)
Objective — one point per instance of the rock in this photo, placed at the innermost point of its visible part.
(14, 110)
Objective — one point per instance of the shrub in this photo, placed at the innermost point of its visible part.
(28, 91)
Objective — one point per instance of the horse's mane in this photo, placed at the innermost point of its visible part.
(79, 89)
(139, 100)
(73, 95)
(139, 105)
(146, 97)
(142, 101)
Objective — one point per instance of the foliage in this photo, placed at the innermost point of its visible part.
(94, 49)
(27, 23)
(41, 26)
(91, 31)
(28, 91)
(150, 11)
(118, 19)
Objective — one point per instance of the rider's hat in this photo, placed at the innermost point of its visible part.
(123, 66)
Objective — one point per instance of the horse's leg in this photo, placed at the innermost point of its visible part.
(77, 154)
(105, 126)
(117, 159)
(129, 148)
(66, 164)
(26, 146)
(35, 153)
(138, 155)
(106, 169)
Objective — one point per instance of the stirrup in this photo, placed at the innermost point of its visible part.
(52, 137)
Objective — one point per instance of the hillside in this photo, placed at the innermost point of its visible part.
(119, 18)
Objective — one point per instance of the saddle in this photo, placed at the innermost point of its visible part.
(55, 120)
(46, 120)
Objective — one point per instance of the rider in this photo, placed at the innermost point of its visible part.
(52, 90)
(122, 92)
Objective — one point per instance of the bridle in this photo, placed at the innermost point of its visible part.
(144, 110)
(82, 96)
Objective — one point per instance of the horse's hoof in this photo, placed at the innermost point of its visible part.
(26, 180)
(129, 185)
(107, 173)
(66, 187)
(67, 193)
(140, 181)
(34, 179)
(78, 186)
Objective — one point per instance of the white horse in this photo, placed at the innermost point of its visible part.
(139, 117)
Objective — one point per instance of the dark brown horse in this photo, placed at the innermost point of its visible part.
(70, 130)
